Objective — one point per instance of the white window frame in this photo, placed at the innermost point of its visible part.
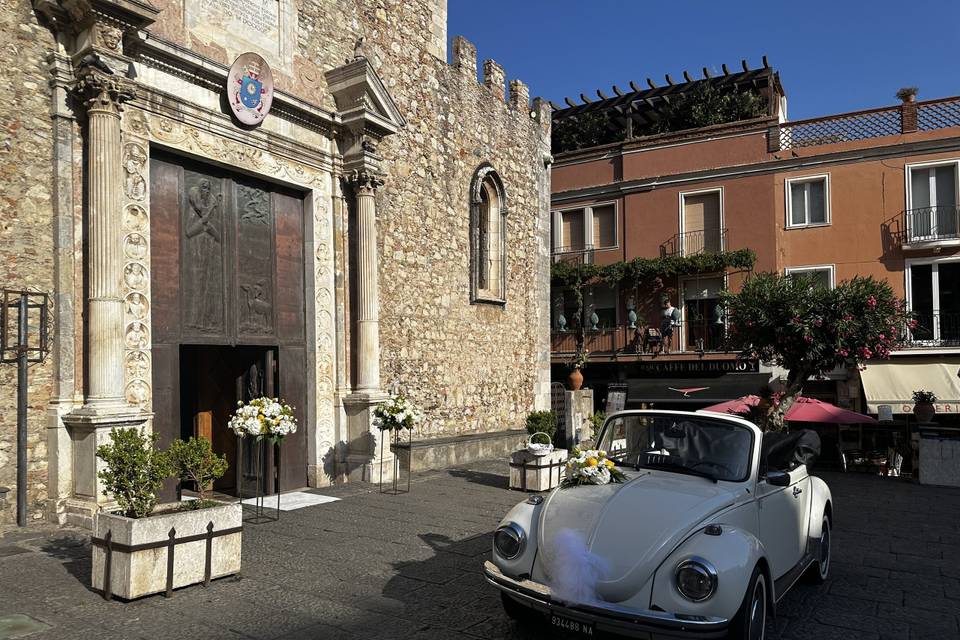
(908, 265)
(557, 217)
(813, 268)
(787, 196)
(908, 182)
(699, 192)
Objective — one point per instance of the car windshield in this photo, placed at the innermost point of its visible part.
(689, 444)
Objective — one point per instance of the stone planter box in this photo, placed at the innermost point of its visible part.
(132, 557)
(536, 473)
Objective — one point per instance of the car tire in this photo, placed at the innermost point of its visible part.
(515, 610)
(751, 620)
(820, 568)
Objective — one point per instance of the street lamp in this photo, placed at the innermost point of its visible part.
(24, 329)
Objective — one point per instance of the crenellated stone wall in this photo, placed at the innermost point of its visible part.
(26, 233)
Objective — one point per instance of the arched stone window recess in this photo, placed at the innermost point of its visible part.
(488, 237)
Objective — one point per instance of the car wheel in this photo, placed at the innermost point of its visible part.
(751, 620)
(513, 609)
(820, 569)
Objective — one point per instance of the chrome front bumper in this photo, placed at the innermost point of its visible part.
(610, 617)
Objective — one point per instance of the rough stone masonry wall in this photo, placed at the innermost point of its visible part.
(474, 368)
(26, 227)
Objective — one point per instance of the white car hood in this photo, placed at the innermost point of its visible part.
(629, 528)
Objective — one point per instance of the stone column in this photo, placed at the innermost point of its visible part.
(103, 98)
(364, 455)
(105, 406)
(368, 290)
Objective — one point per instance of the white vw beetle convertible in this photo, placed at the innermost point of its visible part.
(711, 526)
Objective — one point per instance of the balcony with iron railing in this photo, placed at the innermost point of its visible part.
(931, 226)
(691, 243)
(933, 330)
(582, 254)
(691, 337)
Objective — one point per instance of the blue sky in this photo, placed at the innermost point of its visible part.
(833, 57)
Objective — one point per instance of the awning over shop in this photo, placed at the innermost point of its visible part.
(695, 390)
(893, 382)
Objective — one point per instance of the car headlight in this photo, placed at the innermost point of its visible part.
(509, 541)
(696, 579)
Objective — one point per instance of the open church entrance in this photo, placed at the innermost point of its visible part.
(227, 288)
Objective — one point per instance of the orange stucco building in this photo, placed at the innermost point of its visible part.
(867, 193)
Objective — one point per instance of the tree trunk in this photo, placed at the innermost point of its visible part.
(776, 417)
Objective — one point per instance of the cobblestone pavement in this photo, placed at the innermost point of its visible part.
(408, 566)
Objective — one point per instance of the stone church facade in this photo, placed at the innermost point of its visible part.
(384, 229)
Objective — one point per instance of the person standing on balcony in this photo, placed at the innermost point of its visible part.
(670, 319)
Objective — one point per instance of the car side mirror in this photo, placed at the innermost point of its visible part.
(778, 478)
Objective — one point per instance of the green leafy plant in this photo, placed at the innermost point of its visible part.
(135, 470)
(597, 420)
(907, 94)
(580, 359)
(195, 461)
(707, 105)
(545, 421)
(808, 329)
(921, 396)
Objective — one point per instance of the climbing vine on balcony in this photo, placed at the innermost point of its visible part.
(640, 269)
(633, 272)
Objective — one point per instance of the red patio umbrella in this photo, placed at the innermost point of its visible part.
(803, 410)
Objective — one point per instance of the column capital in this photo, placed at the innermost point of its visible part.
(363, 181)
(99, 91)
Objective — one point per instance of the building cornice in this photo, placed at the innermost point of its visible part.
(619, 189)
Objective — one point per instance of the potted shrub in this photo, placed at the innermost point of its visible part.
(144, 548)
(578, 362)
(923, 405)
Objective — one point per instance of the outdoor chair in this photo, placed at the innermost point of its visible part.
(652, 340)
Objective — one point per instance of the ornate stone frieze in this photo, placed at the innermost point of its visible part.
(135, 285)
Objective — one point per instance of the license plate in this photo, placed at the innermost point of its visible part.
(575, 627)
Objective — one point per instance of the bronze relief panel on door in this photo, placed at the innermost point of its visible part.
(255, 261)
(203, 251)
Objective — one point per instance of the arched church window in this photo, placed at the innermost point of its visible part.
(488, 228)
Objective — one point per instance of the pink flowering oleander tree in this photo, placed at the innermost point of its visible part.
(796, 323)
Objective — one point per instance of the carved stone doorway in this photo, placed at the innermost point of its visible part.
(227, 289)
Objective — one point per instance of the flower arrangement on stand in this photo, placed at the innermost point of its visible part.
(590, 466)
(268, 418)
(394, 415)
(264, 419)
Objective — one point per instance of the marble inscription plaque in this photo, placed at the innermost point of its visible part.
(238, 25)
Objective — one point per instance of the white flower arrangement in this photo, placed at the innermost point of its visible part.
(396, 413)
(590, 466)
(263, 418)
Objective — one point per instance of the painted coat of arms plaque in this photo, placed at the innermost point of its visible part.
(250, 88)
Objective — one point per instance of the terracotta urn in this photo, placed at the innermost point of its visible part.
(575, 379)
(924, 411)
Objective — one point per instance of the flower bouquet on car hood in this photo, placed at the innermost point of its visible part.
(590, 466)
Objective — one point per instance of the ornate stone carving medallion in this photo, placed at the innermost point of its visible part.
(250, 88)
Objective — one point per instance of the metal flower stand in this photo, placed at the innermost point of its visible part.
(395, 446)
(257, 514)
